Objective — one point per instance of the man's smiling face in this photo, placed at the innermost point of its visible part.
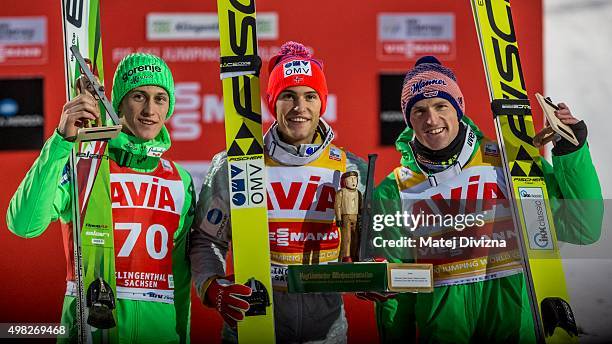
(435, 122)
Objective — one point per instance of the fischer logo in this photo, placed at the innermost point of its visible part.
(418, 87)
(283, 236)
(506, 53)
(297, 67)
(133, 71)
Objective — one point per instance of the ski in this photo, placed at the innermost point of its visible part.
(92, 234)
(240, 67)
(541, 260)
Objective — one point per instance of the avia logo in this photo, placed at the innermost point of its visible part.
(419, 85)
(145, 195)
(297, 67)
(247, 184)
(283, 236)
(473, 198)
(302, 196)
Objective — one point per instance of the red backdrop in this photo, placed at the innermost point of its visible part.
(345, 38)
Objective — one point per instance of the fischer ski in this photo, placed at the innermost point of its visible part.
(240, 67)
(549, 300)
(93, 242)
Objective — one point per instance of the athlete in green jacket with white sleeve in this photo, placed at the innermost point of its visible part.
(480, 294)
(152, 202)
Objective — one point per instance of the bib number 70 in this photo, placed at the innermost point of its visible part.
(151, 235)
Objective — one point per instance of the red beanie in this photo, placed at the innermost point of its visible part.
(294, 66)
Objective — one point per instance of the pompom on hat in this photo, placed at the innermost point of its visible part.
(295, 66)
(141, 69)
(429, 79)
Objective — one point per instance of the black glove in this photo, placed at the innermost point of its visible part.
(563, 146)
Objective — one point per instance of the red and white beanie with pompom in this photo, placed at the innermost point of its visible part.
(295, 66)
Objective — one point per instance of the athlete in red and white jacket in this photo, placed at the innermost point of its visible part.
(303, 170)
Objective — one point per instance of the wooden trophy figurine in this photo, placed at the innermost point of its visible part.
(347, 207)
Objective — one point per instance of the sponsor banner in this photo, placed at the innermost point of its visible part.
(188, 52)
(21, 114)
(536, 218)
(201, 26)
(390, 114)
(146, 192)
(407, 36)
(247, 182)
(23, 40)
(195, 109)
(300, 237)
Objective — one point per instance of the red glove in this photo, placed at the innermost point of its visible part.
(224, 295)
(375, 296)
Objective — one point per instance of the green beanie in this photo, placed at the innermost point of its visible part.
(140, 69)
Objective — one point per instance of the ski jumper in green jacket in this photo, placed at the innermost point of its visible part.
(153, 276)
(491, 304)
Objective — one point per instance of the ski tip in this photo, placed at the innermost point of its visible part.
(427, 59)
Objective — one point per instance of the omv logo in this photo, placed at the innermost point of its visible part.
(8, 107)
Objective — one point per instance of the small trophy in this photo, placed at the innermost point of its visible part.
(88, 82)
(555, 128)
(348, 207)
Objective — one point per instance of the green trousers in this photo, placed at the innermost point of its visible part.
(138, 321)
(495, 311)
